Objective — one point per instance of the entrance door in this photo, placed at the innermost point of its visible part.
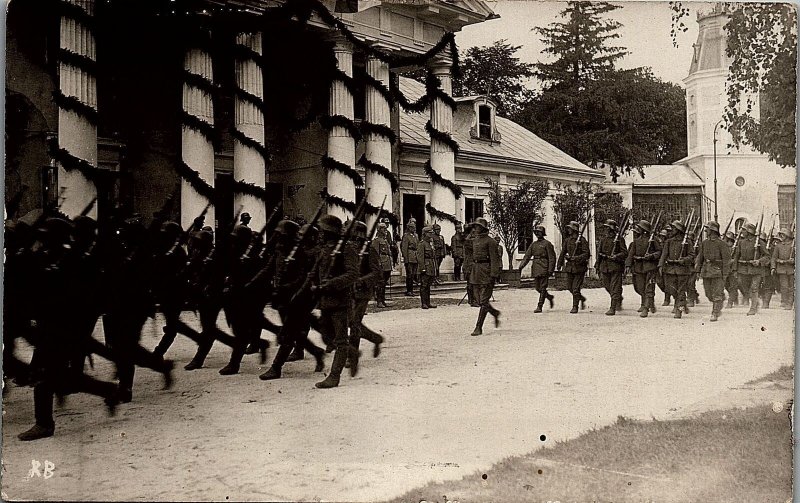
(414, 206)
(223, 207)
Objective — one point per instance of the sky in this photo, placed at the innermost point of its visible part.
(645, 33)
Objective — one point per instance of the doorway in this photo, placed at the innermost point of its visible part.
(414, 206)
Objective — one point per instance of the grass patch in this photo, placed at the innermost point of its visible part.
(721, 456)
(785, 373)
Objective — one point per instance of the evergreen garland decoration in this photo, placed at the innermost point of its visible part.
(75, 105)
(330, 121)
(72, 163)
(244, 53)
(83, 63)
(204, 128)
(441, 136)
(331, 164)
(417, 107)
(371, 209)
(194, 179)
(199, 81)
(348, 81)
(436, 177)
(249, 97)
(330, 199)
(76, 13)
(250, 189)
(252, 143)
(380, 87)
(381, 170)
(440, 215)
(378, 129)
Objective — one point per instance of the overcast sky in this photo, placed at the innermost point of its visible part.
(645, 33)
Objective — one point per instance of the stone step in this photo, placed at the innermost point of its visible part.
(398, 287)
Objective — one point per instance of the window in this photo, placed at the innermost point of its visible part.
(485, 122)
(786, 205)
(473, 208)
(524, 239)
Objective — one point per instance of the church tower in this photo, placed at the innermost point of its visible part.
(746, 181)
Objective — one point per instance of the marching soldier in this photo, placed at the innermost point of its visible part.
(713, 264)
(731, 284)
(438, 248)
(662, 238)
(370, 273)
(408, 247)
(457, 250)
(782, 266)
(611, 255)
(542, 256)
(749, 259)
(642, 260)
(574, 261)
(469, 262)
(245, 219)
(692, 295)
(675, 264)
(383, 247)
(485, 272)
(426, 263)
(769, 283)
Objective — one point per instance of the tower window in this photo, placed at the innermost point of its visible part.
(485, 122)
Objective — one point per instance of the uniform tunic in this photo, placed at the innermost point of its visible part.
(677, 266)
(643, 258)
(542, 256)
(485, 269)
(713, 264)
(574, 261)
(782, 262)
(408, 247)
(750, 275)
(427, 267)
(610, 265)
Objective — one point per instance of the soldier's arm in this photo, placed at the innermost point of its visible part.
(773, 259)
(560, 260)
(495, 262)
(726, 261)
(663, 258)
(349, 276)
(581, 250)
(421, 257)
(629, 258)
(551, 258)
(527, 257)
(375, 271)
(698, 261)
(404, 247)
(623, 251)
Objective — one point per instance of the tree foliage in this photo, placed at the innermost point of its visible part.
(623, 119)
(762, 47)
(580, 44)
(495, 71)
(515, 209)
(608, 206)
(572, 203)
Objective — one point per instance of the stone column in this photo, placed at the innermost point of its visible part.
(442, 155)
(378, 148)
(341, 146)
(76, 133)
(197, 151)
(248, 163)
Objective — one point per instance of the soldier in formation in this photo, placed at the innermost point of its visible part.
(642, 261)
(439, 249)
(383, 247)
(408, 247)
(426, 266)
(749, 260)
(675, 265)
(485, 271)
(457, 251)
(731, 284)
(713, 265)
(574, 261)
(782, 266)
(610, 265)
(542, 256)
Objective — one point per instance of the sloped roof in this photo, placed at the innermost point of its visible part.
(516, 143)
(661, 175)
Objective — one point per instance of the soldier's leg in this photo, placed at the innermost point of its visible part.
(650, 291)
(170, 329)
(753, 287)
(43, 394)
(457, 261)
(335, 320)
(537, 285)
(242, 335)
(639, 281)
(411, 271)
(616, 289)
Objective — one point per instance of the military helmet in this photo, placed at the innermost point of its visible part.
(427, 229)
(678, 225)
(644, 226)
(730, 235)
(359, 229)
(663, 233)
(611, 224)
(574, 226)
(750, 229)
(330, 223)
(481, 222)
(287, 227)
(539, 229)
(310, 232)
(712, 226)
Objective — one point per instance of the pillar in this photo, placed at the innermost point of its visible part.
(248, 163)
(378, 148)
(76, 133)
(341, 146)
(197, 151)
(442, 155)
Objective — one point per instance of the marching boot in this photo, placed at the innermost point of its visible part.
(678, 310)
(320, 366)
(767, 299)
(619, 304)
(272, 373)
(612, 310)
(233, 365)
(575, 301)
(339, 359)
(690, 302)
(550, 299)
(296, 354)
(540, 304)
(686, 306)
(753, 305)
(355, 354)
(652, 303)
(199, 358)
(645, 309)
(479, 325)
(428, 300)
(496, 315)
(666, 300)
(583, 302)
(714, 311)
(37, 432)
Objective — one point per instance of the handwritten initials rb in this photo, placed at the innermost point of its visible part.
(39, 470)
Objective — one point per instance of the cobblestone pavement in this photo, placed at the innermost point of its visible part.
(436, 404)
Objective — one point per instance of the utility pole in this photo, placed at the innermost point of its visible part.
(716, 216)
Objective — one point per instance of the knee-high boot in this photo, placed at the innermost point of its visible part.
(339, 361)
(542, 297)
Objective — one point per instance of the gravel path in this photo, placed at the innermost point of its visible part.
(437, 404)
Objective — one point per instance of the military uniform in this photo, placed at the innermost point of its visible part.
(381, 245)
(661, 238)
(438, 248)
(370, 274)
(782, 264)
(574, 261)
(457, 249)
(426, 266)
(468, 264)
(676, 264)
(542, 256)
(713, 265)
(610, 266)
(731, 283)
(485, 271)
(750, 274)
(408, 247)
(643, 256)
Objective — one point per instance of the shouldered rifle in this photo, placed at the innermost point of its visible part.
(371, 235)
(771, 234)
(580, 235)
(622, 225)
(736, 240)
(727, 227)
(697, 232)
(259, 237)
(685, 242)
(347, 234)
(301, 236)
(759, 229)
(654, 227)
(184, 236)
(689, 219)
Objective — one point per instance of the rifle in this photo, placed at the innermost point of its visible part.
(183, 236)
(89, 207)
(258, 238)
(623, 224)
(371, 235)
(771, 234)
(653, 226)
(727, 227)
(301, 236)
(685, 241)
(348, 232)
(697, 231)
(689, 220)
(759, 229)
(736, 240)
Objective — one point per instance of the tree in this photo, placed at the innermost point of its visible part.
(572, 204)
(580, 45)
(495, 71)
(515, 209)
(608, 206)
(623, 119)
(762, 47)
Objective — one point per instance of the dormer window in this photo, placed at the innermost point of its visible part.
(485, 122)
(484, 126)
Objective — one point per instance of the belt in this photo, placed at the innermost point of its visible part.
(483, 261)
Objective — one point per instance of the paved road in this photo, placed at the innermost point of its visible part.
(437, 404)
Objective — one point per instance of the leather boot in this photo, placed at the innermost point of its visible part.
(479, 325)
(295, 355)
(714, 315)
(540, 304)
(643, 312)
(652, 303)
(575, 301)
(272, 373)
(666, 300)
(643, 307)
(355, 354)
(612, 310)
(550, 299)
(339, 359)
(583, 302)
(678, 311)
(767, 299)
(753, 305)
(37, 432)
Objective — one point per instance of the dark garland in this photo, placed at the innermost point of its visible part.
(381, 170)
(436, 177)
(76, 13)
(250, 98)
(433, 88)
(244, 53)
(83, 63)
(378, 129)
(250, 189)
(75, 105)
(71, 163)
(441, 215)
(380, 87)
(329, 163)
(371, 209)
(252, 143)
(441, 136)
(195, 180)
(330, 199)
(200, 82)
(330, 121)
(417, 107)
(348, 81)
(197, 37)
(199, 125)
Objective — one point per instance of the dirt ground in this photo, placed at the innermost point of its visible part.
(437, 404)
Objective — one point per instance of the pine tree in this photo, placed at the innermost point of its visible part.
(580, 45)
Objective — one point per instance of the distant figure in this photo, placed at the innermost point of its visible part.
(245, 219)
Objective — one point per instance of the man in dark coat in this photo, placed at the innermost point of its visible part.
(369, 275)
(731, 283)
(438, 249)
(542, 256)
(408, 247)
(662, 238)
(611, 253)
(426, 266)
(485, 272)
(713, 265)
(468, 263)
(675, 263)
(457, 251)
(332, 278)
(574, 261)
(382, 244)
(782, 266)
(643, 256)
(749, 259)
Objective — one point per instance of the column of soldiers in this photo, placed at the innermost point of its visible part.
(63, 275)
